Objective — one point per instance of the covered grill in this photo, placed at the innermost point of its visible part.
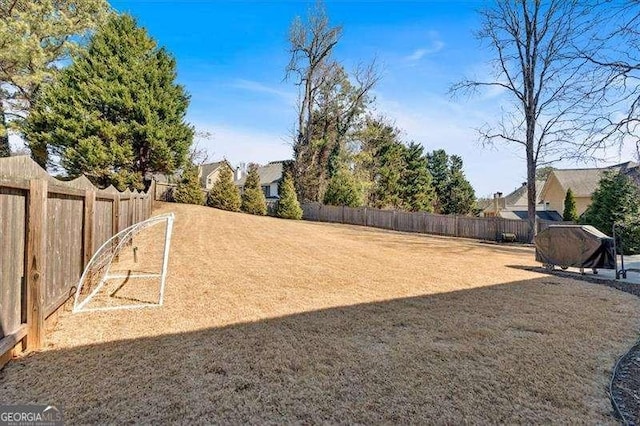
(578, 246)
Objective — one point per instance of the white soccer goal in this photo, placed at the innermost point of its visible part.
(129, 270)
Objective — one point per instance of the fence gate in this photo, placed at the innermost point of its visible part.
(13, 308)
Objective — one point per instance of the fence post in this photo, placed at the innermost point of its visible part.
(115, 214)
(151, 194)
(89, 214)
(342, 215)
(131, 209)
(366, 217)
(424, 222)
(36, 262)
(455, 225)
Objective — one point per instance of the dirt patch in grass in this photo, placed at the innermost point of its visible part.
(271, 321)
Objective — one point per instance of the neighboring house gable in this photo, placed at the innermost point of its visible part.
(270, 177)
(519, 196)
(209, 173)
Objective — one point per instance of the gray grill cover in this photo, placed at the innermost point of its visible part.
(575, 245)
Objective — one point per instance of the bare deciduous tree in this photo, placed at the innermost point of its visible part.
(617, 75)
(329, 103)
(536, 64)
(311, 45)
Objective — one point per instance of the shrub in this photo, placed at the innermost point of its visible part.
(570, 211)
(224, 194)
(188, 189)
(253, 199)
(616, 200)
(344, 190)
(288, 206)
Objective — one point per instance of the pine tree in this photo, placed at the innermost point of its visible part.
(116, 112)
(454, 193)
(35, 37)
(225, 194)
(343, 190)
(616, 200)
(387, 189)
(460, 197)
(253, 199)
(441, 173)
(188, 190)
(418, 191)
(570, 213)
(288, 206)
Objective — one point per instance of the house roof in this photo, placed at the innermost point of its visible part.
(524, 215)
(269, 173)
(519, 196)
(583, 182)
(207, 169)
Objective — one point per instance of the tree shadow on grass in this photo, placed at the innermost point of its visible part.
(529, 351)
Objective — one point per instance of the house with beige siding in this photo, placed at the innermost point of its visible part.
(208, 174)
(583, 182)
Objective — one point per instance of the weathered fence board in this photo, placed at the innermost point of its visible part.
(381, 218)
(483, 228)
(65, 248)
(124, 214)
(357, 216)
(48, 231)
(103, 223)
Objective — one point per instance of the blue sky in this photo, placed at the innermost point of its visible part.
(231, 58)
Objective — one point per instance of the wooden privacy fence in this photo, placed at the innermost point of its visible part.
(483, 228)
(49, 229)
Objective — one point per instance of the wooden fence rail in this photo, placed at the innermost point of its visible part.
(483, 228)
(49, 229)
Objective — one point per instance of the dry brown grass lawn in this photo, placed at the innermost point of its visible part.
(272, 321)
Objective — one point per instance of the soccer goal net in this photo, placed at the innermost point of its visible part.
(129, 270)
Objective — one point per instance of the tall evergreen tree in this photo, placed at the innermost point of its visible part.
(116, 112)
(570, 213)
(616, 200)
(225, 194)
(460, 197)
(188, 190)
(388, 189)
(253, 199)
(344, 190)
(418, 191)
(35, 38)
(438, 163)
(288, 205)
(454, 193)
(381, 158)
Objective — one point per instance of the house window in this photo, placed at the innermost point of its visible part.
(209, 181)
(265, 189)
